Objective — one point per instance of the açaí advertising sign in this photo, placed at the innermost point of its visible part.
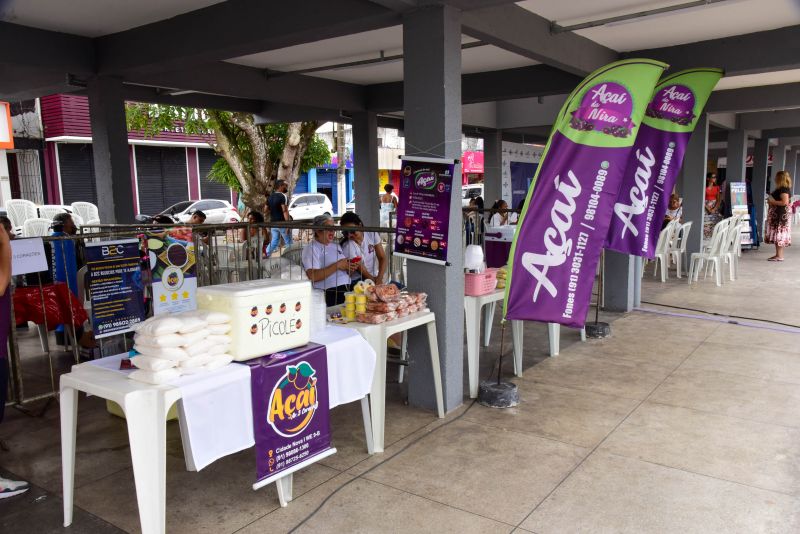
(423, 211)
(656, 160)
(291, 420)
(567, 212)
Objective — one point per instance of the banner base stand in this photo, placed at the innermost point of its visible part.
(498, 394)
(598, 330)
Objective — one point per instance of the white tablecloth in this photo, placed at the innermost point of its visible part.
(217, 412)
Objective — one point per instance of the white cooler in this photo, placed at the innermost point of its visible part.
(266, 315)
(497, 243)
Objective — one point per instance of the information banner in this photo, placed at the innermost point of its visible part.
(115, 286)
(173, 267)
(291, 414)
(423, 210)
(656, 160)
(566, 215)
(739, 207)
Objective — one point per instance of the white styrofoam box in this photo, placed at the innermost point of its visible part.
(266, 315)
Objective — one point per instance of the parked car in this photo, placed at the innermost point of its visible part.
(217, 211)
(306, 206)
(351, 206)
(468, 192)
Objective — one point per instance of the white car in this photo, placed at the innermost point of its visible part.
(306, 206)
(468, 192)
(217, 211)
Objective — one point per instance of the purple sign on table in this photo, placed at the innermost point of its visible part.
(656, 160)
(291, 420)
(565, 218)
(423, 211)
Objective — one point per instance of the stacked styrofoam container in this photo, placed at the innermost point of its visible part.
(168, 346)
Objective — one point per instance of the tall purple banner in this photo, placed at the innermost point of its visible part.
(423, 211)
(291, 419)
(567, 212)
(656, 160)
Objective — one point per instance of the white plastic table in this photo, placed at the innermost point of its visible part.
(145, 408)
(472, 314)
(377, 336)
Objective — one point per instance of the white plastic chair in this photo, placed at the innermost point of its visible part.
(19, 211)
(36, 227)
(713, 255)
(48, 212)
(85, 210)
(77, 219)
(662, 251)
(678, 251)
(734, 250)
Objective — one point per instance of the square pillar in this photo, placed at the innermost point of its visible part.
(737, 154)
(759, 184)
(366, 183)
(493, 167)
(112, 168)
(432, 105)
(778, 162)
(791, 164)
(693, 176)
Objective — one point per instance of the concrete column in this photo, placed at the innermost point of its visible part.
(493, 167)
(791, 163)
(619, 282)
(112, 167)
(638, 265)
(778, 162)
(737, 154)
(432, 102)
(366, 183)
(695, 164)
(759, 183)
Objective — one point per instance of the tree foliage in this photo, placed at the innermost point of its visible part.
(253, 156)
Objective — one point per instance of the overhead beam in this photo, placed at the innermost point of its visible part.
(227, 79)
(781, 133)
(522, 82)
(134, 93)
(750, 53)
(762, 98)
(235, 28)
(518, 30)
(42, 49)
(789, 118)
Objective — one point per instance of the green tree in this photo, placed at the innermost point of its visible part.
(252, 156)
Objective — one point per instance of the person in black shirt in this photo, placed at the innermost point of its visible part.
(779, 218)
(279, 212)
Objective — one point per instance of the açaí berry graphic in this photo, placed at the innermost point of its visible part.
(269, 309)
(674, 103)
(293, 400)
(254, 329)
(253, 311)
(607, 108)
(298, 306)
(283, 307)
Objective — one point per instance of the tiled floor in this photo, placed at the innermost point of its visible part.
(673, 424)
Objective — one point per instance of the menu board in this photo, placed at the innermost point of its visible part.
(423, 211)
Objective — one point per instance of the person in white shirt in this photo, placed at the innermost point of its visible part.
(325, 264)
(366, 246)
(498, 217)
